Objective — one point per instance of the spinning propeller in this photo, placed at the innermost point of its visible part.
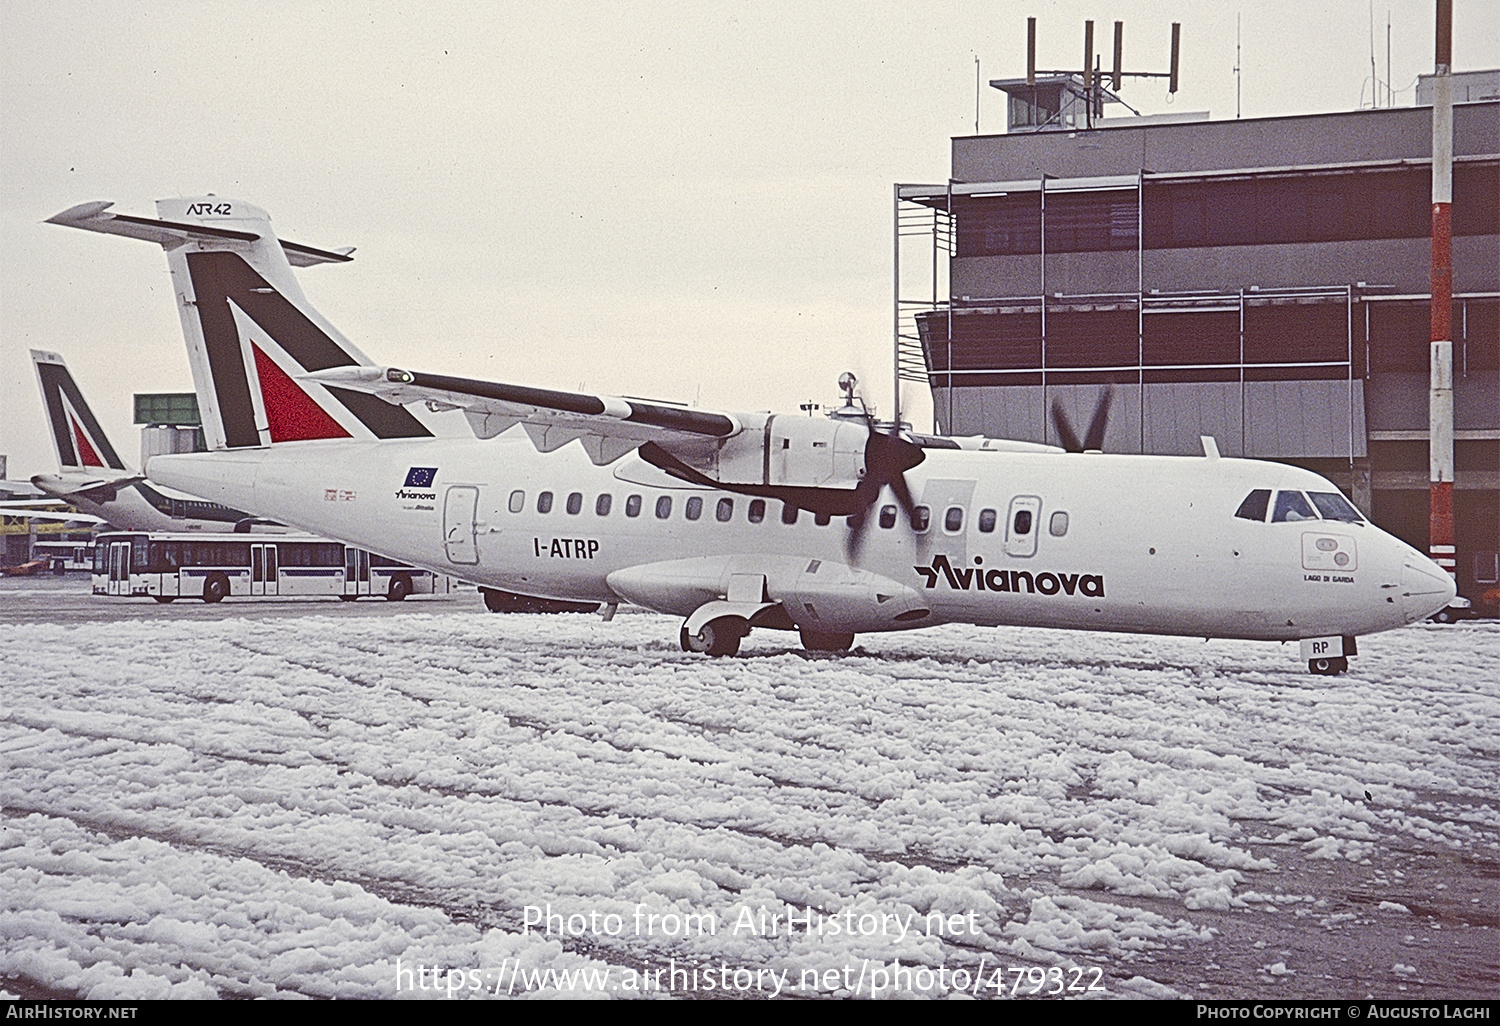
(888, 457)
(1093, 441)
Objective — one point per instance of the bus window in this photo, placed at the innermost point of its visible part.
(1254, 506)
(633, 506)
(602, 504)
(1291, 507)
(544, 502)
(757, 511)
(694, 508)
(517, 501)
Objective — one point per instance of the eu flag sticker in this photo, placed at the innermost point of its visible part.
(420, 477)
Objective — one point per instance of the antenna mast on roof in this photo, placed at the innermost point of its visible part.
(1053, 100)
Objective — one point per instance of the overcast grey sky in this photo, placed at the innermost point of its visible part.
(683, 201)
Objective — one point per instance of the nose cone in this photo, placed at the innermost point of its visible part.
(1425, 588)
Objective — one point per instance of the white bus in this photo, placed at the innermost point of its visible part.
(218, 566)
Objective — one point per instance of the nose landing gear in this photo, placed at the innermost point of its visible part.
(1329, 667)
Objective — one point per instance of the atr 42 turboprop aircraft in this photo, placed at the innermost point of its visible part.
(741, 520)
(91, 476)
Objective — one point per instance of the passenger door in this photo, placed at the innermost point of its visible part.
(460, 509)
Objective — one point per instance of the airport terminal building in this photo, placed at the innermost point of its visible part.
(1264, 281)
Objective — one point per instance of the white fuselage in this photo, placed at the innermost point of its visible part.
(1150, 544)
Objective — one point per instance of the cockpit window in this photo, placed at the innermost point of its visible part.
(1254, 506)
(1291, 506)
(1334, 506)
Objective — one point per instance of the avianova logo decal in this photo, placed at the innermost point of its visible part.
(976, 578)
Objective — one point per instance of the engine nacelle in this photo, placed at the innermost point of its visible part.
(783, 451)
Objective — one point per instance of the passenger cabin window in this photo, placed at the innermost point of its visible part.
(1292, 506)
(953, 520)
(694, 508)
(1059, 524)
(575, 502)
(987, 520)
(921, 519)
(544, 502)
(789, 513)
(1023, 522)
(517, 501)
(633, 506)
(822, 519)
(1255, 505)
(887, 517)
(724, 511)
(757, 510)
(602, 504)
(663, 507)
(1334, 506)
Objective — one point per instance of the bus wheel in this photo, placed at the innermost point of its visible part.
(164, 599)
(215, 588)
(399, 589)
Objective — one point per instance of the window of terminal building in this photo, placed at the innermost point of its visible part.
(1091, 221)
(1006, 225)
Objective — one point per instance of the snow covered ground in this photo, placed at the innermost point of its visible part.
(445, 801)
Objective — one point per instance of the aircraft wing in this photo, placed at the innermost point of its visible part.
(171, 234)
(608, 427)
(65, 516)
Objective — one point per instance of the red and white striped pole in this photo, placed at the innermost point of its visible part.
(1440, 392)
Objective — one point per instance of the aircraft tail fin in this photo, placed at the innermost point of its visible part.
(252, 336)
(76, 433)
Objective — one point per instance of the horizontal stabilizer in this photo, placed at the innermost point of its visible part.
(95, 217)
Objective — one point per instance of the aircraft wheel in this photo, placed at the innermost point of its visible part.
(719, 637)
(164, 599)
(1442, 616)
(814, 641)
(1328, 667)
(400, 587)
(215, 588)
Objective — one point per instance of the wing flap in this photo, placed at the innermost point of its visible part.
(608, 427)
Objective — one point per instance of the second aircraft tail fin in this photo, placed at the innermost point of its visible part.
(76, 433)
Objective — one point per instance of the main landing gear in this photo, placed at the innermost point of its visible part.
(722, 635)
(719, 637)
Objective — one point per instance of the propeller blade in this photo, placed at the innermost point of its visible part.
(1093, 440)
(1065, 432)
